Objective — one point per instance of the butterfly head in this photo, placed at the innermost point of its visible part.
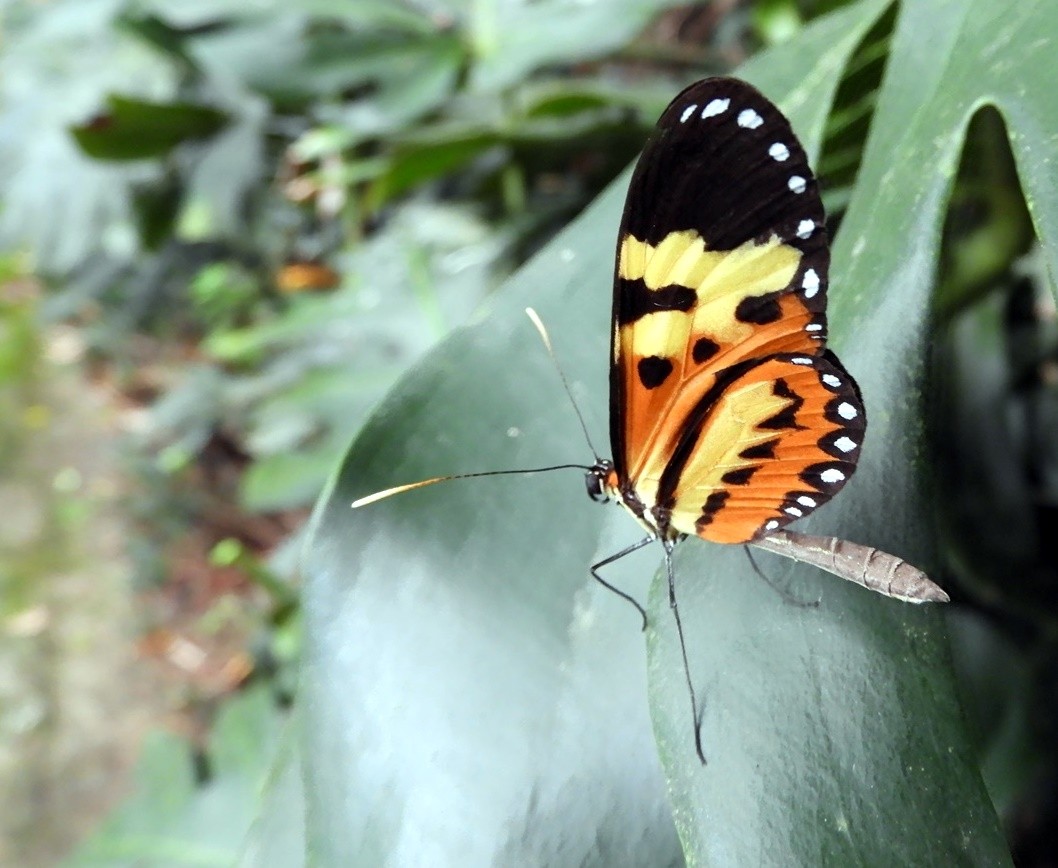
(601, 481)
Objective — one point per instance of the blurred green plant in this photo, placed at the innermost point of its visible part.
(223, 294)
(195, 808)
(451, 145)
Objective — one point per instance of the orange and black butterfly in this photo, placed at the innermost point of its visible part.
(729, 418)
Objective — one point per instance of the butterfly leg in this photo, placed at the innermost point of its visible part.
(595, 575)
(789, 598)
(683, 650)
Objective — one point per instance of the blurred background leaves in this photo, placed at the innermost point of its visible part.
(226, 231)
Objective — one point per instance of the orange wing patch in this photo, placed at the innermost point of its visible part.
(778, 441)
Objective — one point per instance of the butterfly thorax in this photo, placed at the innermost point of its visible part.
(604, 484)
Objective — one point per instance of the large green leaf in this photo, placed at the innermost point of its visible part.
(471, 697)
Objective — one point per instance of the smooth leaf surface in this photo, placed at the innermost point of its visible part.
(459, 663)
(470, 697)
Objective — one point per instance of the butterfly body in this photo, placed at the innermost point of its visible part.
(729, 418)
(604, 485)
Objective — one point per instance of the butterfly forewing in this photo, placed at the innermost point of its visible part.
(720, 284)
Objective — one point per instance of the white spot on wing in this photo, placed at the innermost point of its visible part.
(771, 524)
(801, 360)
(814, 327)
(845, 444)
(832, 476)
(794, 511)
(779, 152)
(810, 282)
(715, 107)
(847, 411)
(805, 228)
(687, 112)
(810, 502)
(831, 380)
(797, 184)
(749, 119)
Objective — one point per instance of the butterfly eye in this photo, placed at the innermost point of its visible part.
(595, 482)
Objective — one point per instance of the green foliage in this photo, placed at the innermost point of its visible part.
(176, 819)
(777, 20)
(371, 70)
(136, 129)
(173, 232)
(223, 294)
(19, 339)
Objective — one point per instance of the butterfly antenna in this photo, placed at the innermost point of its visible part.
(539, 323)
(422, 483)
(683, 651)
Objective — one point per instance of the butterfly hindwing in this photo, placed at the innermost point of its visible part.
(721, 279)
(779, 440)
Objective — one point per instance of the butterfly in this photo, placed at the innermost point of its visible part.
(729, 417)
